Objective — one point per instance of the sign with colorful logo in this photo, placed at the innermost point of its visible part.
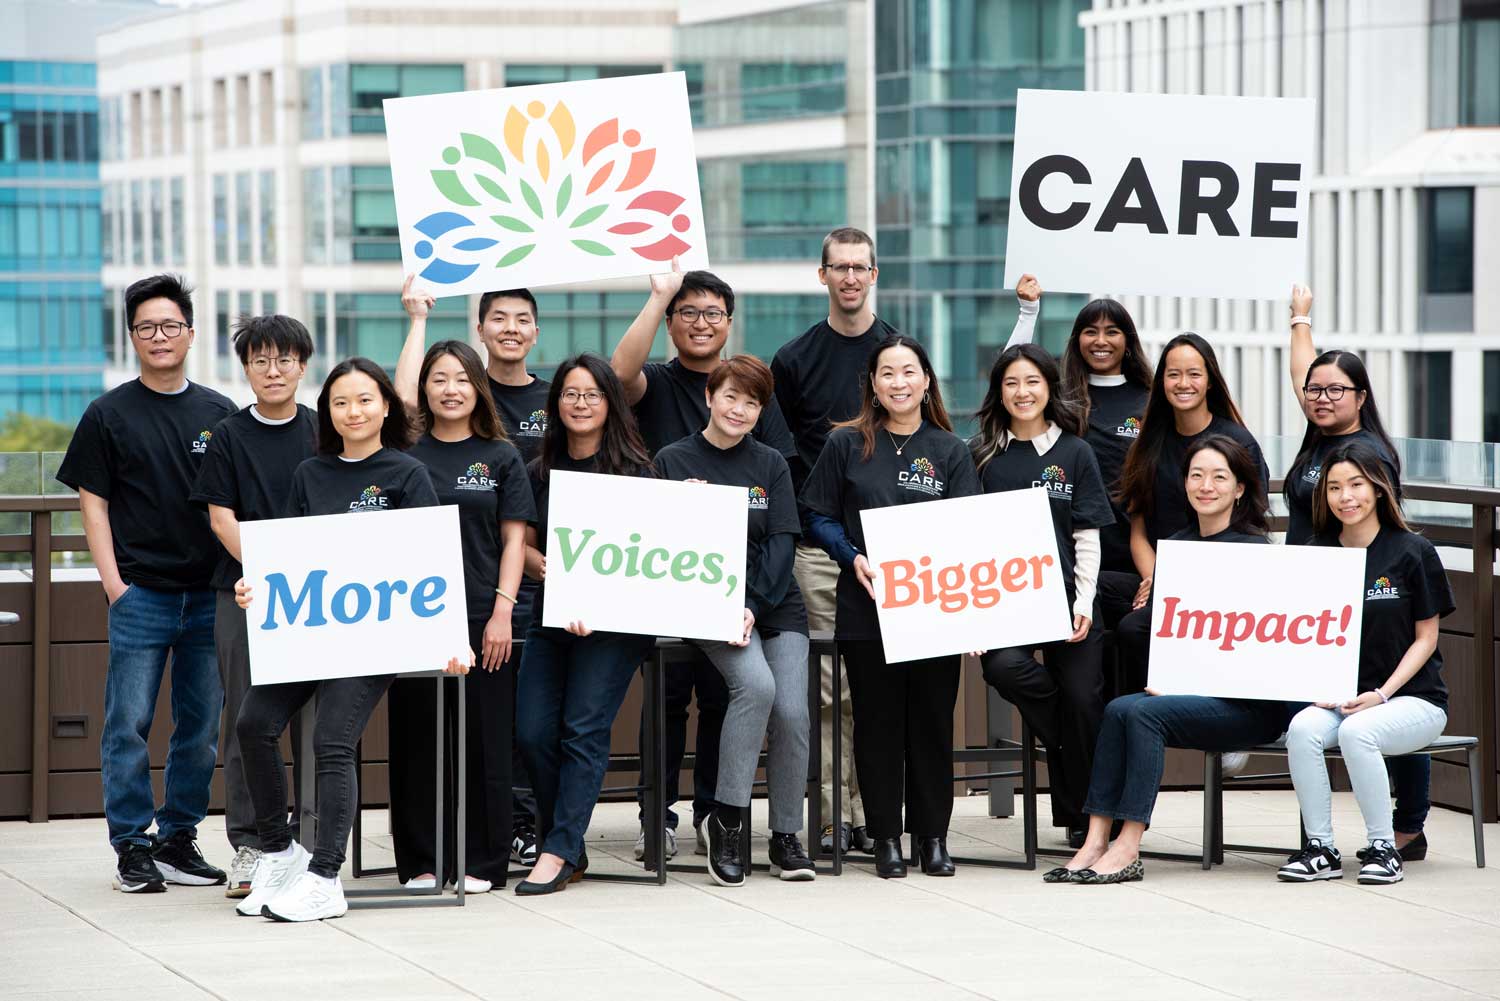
(540, 185)
(967, 573)
(1247, 621)
(340, 597)
(629, 554)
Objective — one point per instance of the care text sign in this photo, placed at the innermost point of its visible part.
(1245, 621)
(1160, 194)
(345, 595)
(969, 573)
(630, 554)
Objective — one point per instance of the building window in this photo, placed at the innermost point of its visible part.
(224, 349)
(771, 209)
(312, 102)
(158, 223)
(268, 217)
(221, 220)
(268, 303)
(1492, 396)
(266, 103)
(1430, 376)
(179, 221)
(107, 210)
(373, 324)
(363, 86)
(786, 90)
(1447, 300)
(527, 74)
(584, 321)
(314, 214)
(137, 223)
(220, 113)
(243, 217)
(764, 323)
(1479, 63)
(178, 145)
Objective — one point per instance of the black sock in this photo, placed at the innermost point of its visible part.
(729, 816)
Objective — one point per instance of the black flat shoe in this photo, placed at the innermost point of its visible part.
(558, 883)
(933, 853)
(1132, 873)
(1077, 836)
(581, 868)
(860, 840)
(890, 861)
(1061, 874)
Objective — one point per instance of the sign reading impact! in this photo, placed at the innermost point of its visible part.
(335, 596)
(539, 185)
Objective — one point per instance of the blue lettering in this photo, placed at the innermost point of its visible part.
(385, 589)
(427, 591)
(311, 593)
(341, 603)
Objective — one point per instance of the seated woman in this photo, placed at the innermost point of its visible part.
(1403, 703)
(1226, 492)
(766, 671)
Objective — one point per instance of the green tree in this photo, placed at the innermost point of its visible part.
(24, 433)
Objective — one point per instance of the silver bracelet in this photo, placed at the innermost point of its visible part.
(1382, 695)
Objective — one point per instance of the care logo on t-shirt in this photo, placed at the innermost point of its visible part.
(1382, 589)
(922, 477)
(200, 443)
(1130, 429)
(758, 498)
(1312, 474)
(534, 426)
(1055, 482)
(370, 499)
(476, 477)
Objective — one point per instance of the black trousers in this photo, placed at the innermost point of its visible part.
(1063, 702)
(683, 679)
(491, 708)
(903, 738)
(1117, 591)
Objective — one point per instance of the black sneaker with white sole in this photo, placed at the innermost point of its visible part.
(1382, 864)
(181, 862)
(136, 873)
(1315, 861)
(724, 862)
(523, 848)
(789, 860)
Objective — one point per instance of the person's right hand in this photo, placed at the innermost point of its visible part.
(242, 596)
(1301, 300)
(1028, 288)
(416, 302)
(667, 284)
(1142, 594)
(114, 592)
(864, 575)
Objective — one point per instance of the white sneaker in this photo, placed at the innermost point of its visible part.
(701, 848)
(427, 882)
(473, 884)
(242, 872)
(309, 898)
(669, 846)
(272, 876)
(1233, 763)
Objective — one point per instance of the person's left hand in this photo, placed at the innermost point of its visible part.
(458, 665)
(744, 639)
(1081, 625)
(578, 629)
(1368, 700)
(496, 642)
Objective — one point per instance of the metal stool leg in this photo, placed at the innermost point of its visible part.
(1476, 805)
(815, 750)
(461, 828)
(1211, 772)
(837, 820)
(307, 768)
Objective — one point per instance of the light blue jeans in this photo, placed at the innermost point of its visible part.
(1400, 726)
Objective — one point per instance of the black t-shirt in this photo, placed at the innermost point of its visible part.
(772, 511)
(1115, 414)
(934, 464)
(386, 481)
(820, 381)
(1070, 475)
(523, 411)
(1404, 583)
(1192, 534)
(488, 482)
(248, 468)
(141, 451)
(1302, 480)
(674, 406)
(1170, 511)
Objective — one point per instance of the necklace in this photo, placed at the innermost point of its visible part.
(903, 445)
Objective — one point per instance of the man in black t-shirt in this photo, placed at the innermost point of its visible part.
(247, 476)
(133, 459)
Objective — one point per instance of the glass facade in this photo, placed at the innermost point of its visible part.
(527, 74)
(1479, 63)
(221, 220)
(1431, 378)
(267, 211)
(1492, 396)
(772, 208)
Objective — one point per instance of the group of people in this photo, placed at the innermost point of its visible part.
(167, 471)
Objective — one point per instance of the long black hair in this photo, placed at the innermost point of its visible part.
(395, 432)
(1369, 414)
(1373, 468)
(621, 450)
(484, 422)
(1251, 510)
(1075, 368)
(994, 419)
(867, 422)
(1138, 477)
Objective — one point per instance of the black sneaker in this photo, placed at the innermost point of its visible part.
(825, 843)
(523, 846)
(1382, 864)
(789, 860)
(181, 862)
(724, 862)
(1313, 862)
(136, 873)
(1415, 850)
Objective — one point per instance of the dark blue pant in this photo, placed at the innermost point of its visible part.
(145, 625)
(1138, 729)
(569, 693)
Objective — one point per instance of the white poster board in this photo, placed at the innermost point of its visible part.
(346, 595)
(1160, 194)
(540, 185)
(629, 554)
(1256, 622)
(964, 574)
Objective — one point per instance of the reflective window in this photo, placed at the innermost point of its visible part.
(526, 74)
(243, 216)
(764, 323)
(1492, 396)
(267, 209)
(1479, 63)
(137, 222)
(179, 221)
(1449, 265)
(356, 91)
(221, 220)
(373, 324)
(312, 102)
(158, 226)
(1430, 383)
(314, 215)
(771, 209)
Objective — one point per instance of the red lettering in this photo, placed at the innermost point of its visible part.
(903, 584)
(1294, 631)
(1169, 607)
(1263, 631)
(1233, 633)
(1011, 574)
(1325, 623)
(1037, 562)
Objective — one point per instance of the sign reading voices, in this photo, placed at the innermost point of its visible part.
(1256, 622)
(340, 596)
(1160, 194)
(968, 573)
(629, 554)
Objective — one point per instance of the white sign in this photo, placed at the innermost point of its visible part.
(1256, 622)
(540, 185)
(346, 595)
(1160, 194)
(630, 554)
(968, 573)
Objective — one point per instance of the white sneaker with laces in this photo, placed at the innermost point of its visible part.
(702, 846)
(242, 872)
(669, 845)
(309, 898)
(272, 876)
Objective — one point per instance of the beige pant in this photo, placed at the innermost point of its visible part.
(817, 578)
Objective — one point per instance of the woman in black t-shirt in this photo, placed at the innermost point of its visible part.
(1402, 702)
(766, 672)
(573, 680)
(900, 449)
(1028, 438)
(360, 467)
(475, 467)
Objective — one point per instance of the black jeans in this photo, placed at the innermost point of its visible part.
(344, 707)
(683, 678)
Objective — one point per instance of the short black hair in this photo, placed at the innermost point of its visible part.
(703, 281)
(172, 287)
(509, 293)
(253, 334)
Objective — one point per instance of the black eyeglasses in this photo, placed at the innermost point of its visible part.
(147, 330)
(1334, 393)
(713, 316)
(860, 271)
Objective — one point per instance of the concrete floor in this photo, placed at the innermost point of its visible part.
(1182, 933)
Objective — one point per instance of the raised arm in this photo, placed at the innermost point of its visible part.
(1029, 302)
(1302, 353)
(416, 302)
(629, 359)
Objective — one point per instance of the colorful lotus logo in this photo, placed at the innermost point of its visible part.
(923, 467)
(539, 417)
(1053, 474)
(546, 185)
(205, 435)
(370, 493)
(757, 493)
(479, 469)
(1382, 582)
(1132, 423)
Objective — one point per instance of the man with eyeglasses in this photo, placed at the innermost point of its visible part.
(247, 476)
(133, 460)
(670, 401)
(820, 382)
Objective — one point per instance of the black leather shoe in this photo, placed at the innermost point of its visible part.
(933, 853)
(558, 883)
(1415, 850)
(825, 843)
(1077, 836)
(860, 840)
(890, 861)
(724, 862)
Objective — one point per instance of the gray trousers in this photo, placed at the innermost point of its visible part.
(767, 684)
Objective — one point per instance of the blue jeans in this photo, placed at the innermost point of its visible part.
(1138, 729)
(145, 625)
(569, 693)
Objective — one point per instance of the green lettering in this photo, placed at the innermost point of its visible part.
(570, 556)
(683, 565)
(649, 559)
(713, 568)
(611, 554)
(731, 583)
